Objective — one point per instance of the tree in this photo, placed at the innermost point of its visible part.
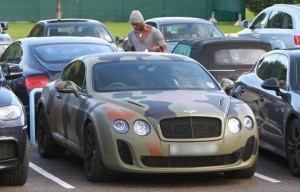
(257, 6)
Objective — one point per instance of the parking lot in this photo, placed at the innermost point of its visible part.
(67, 174)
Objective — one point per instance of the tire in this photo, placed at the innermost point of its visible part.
(17, 176)
(94, 168)
(46, 145)
(292, 147)
(242, 174)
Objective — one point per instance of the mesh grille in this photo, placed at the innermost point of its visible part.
(8, 150)
(189, 161)
(191, 127)
(124, 152)
(249, 148)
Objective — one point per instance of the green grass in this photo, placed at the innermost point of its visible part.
(20, 30)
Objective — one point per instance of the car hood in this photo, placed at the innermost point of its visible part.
(167, 104)
(6, 95)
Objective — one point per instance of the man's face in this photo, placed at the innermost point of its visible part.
(138, 26)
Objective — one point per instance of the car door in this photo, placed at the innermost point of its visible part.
(257, 27)
(271, 107)
(70, 108)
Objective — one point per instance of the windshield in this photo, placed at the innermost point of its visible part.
(80, 30)
(180, 31)
(64, 52)
(151, 75)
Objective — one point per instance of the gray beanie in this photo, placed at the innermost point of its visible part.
(136, 17)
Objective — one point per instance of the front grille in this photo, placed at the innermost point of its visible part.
(8, 150)
(124, 152)
(191, 127)
(249, 148)
(177, 162)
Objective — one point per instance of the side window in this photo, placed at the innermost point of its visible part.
(287, 21)
(261, 20)
(274, 66)
(37, 31)
(13, 54)
(77, 74)
(153, 24)
(182, 49)
(65, 73)
(275, 20)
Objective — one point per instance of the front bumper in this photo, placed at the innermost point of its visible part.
(152, 155)
(12, 146)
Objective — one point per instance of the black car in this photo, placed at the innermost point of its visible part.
(42, 59)
(224, 57)
(176, 29)
(74, 27)
(5, 38)
(13, 131)
(272, 90)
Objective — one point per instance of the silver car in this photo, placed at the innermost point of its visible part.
(278, 25)
(5, 38)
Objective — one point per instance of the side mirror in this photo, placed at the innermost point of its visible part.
(246, 23)
(226, 85)
(67, 87)
(271, 84)
(4, 25)
(12, 71)
(119, 39)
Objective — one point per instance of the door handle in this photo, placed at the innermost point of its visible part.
(261, 98)
(256, 35)
(59, 95)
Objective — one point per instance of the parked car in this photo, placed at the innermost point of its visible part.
(271, 89)
(5, 38)
(139, 112)
(43, 58)
(224, 57)
(75, 27)
(278, 25)
(13, 131)
(176, 29)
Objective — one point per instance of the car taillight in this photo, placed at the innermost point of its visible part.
(297, 40)
(36, 82)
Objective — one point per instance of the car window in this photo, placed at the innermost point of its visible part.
(37, 31)
(261, 20)
(273, 66)
(64, 52)
(280, 20)
(13, 54)
(182, 49)
(181, 31)
(80, 30)
(153, 24)
(77, 74)
(154, 75)
(237, 56)
(297, 70)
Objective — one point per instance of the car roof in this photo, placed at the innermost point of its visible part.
(294, 52)
(135, 56)
(200, 42)
(170, 20)
(68, 21)
(61, 39)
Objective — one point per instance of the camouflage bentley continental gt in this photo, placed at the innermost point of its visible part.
(145, 113)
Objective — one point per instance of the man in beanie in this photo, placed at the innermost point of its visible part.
(144, 37)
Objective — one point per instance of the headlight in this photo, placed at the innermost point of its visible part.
(248, 123)
(141, 127)
(10, 112)
(121, 126)
(234, 125)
